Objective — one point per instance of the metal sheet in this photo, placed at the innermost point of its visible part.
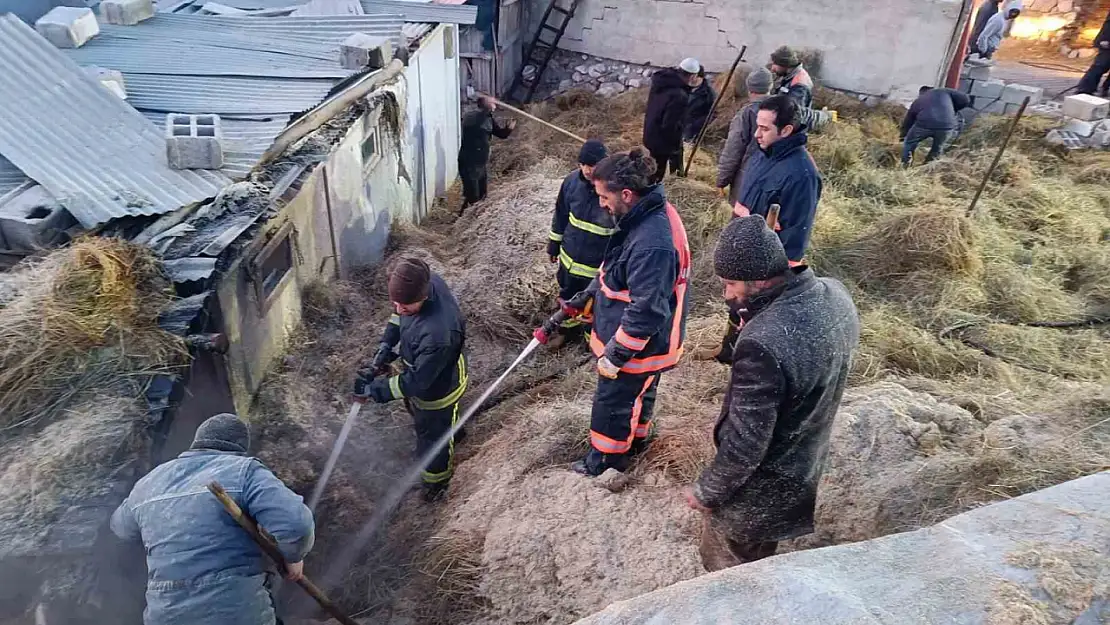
(190, 269)
(329, 7)
(424, 11)
(91, 150)
(10, 176)
(244, 141)
(243, 96)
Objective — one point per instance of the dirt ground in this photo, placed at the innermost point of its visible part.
(956, 399)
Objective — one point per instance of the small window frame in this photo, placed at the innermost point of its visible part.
(371, 134)
(282, 243)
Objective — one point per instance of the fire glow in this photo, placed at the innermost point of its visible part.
(1039, 27)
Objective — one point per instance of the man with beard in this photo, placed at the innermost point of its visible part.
(790, 360)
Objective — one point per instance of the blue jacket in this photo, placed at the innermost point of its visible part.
(641, 296)
(580, 227)
(785, 175)
(203, 569)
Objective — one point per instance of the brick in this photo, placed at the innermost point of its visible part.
(989, 89)
(68, 27)
(194, 141)
(360, 51)
(30, 220)
(1086, 107)
(1015, 93)
(126, 12)
(110, 79)
(977, 72)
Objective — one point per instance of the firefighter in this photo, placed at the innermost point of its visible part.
(427, 332)
(580, 231)
(639, 308)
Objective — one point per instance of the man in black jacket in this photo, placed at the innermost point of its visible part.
(931, 116)
(701, 101)
(477, 128)
(427, 332)
(580, 231)
(665, 115)
(790, 361)
(1101, 65)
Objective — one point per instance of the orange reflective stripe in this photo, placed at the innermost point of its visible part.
(796, 263)
(596, 346)
(620, 296)
(630, 341)
(607, 445)
(638, 408)
(642, 430)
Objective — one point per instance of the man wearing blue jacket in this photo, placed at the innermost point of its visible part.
(580, 231)
(203, 568)
(639, 308)
(782, 172)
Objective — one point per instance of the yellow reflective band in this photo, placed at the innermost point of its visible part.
(395, 387)
(395, 319)
(592, 228)
(430, 477)
(576, 269)
(555, 236)
(452, 398)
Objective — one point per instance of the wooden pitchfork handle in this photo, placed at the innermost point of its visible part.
(773, 216)
(270, 547)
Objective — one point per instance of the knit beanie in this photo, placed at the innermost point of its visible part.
(786, 57)
(759, 81)
(409, 282)
(223, 432)
(748, 251)
(592, 152)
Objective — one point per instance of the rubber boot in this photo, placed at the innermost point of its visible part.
(595, 463)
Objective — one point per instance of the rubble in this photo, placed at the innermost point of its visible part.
(570, 71)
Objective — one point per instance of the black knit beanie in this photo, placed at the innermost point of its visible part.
(748, 251)
(592, 152)
(409, 282)
(786, 57)
(223, 432)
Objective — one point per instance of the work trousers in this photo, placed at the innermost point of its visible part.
(663, 160)
(431, 425)
(622, 411)
(719, 551)
(569, 286)
(1101, 65)
(474, 185)
(916, 135)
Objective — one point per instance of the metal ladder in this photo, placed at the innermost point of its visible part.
(540, 51)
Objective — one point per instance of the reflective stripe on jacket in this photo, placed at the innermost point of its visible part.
(798, 85)
(580, 226)
(641, 304)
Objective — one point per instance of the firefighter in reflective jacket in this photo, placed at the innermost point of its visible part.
(427, 332)
(639, 308)
(580, 231)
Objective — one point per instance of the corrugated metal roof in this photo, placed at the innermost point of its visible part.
(424, 11)
(91, 150)
(329, 7)
(233, 96)
(190, 269)
(10, 176)
(413, 31)
(244, 140)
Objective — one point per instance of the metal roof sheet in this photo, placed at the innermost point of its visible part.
(424, 11)
(229, 96)
(413, 31)
(244, 140)
(91, 150)
(189, 269)
(10, 176)
(329, 7)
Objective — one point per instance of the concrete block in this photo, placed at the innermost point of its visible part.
(68, 27)
(1100, 139)
(126, 12)
(1067, 139)
(110, 79)
(361, 51)
(966, 84)
(32, 219)
(1015, 93)
(997, 107)
(988, 89)
(977, 72)
(1010, 108)
(1080, 127)
(1086, 107)
(194, 141)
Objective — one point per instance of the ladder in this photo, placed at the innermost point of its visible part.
(540, 51)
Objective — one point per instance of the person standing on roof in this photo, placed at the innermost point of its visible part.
(790, 362)
(1100, 65)
(995, 31)
(639, 308)
(782, 172)
(701, 101)
(665, 115)
(580, 232)
(933, 115)
(791, 78)
(477, 128)
(741, 143)
(203, 569)
(427, 332)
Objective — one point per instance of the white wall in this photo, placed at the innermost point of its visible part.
(870, 47)
(433, 116)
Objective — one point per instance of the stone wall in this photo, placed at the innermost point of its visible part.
(573, 71)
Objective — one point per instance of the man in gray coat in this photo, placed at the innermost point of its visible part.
(203, 569)
(741, 143)
(790, 361)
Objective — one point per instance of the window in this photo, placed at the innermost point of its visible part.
(371, 150)
(272, 267)
(449, 42)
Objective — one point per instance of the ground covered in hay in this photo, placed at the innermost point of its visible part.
(982, 374)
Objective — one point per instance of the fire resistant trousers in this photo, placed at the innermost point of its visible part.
(431, 425)
(622, 411)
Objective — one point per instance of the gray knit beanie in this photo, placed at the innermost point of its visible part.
(748, 251)
(759, 81)
(223, 432)
(786, 57)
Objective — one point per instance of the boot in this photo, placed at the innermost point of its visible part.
(595, 463)
(640, 445)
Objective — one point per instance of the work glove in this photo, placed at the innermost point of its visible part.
(363, 378)
(382, 358)
(553, 251)
(378, 390)
(607, 369)
(577, 305)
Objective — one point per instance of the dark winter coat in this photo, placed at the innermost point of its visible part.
(477, 128)
(697, 111)
(580, 227)
(431, 345)
(1103, 34)
(641, 302)
(935, 110)
(790, 363)
(798, 85)
(738, 150)
(665, 115)
(785, 175)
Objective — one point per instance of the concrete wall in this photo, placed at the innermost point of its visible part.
(870, 47)
(434, 130)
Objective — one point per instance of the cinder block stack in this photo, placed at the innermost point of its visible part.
(989, 95)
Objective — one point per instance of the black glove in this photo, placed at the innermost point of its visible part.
(553, 250)
(379, 391)
(363, 378)
(382, 358)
